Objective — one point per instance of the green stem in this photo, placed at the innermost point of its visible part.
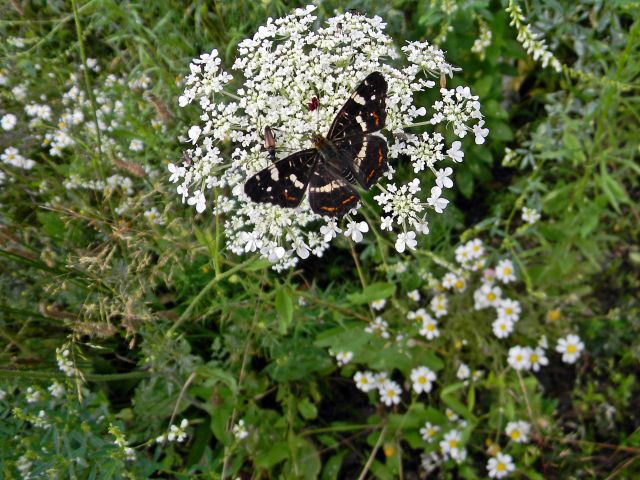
(372, 457)
(205, 290)
(87, 82)
(340, 428)
(91, 377)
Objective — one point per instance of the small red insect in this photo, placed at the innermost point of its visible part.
(313, 104)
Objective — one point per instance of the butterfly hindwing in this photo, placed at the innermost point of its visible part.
(283, 183)
(366, 157)
(364, 112)
(330, 194)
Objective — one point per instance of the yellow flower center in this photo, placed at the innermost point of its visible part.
(508, 311)
(61, 124)
(459, 284)
(453, 444)
(534, 358)
(422, 380)
(506, 271)
(501, 467)
(515, 435)
(519, 358)
(491, 296)
(553, 315)
(571, 349)
(391, 393)
(431, 327)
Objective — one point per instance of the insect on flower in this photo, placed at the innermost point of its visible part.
(270, 143)
(349, 153)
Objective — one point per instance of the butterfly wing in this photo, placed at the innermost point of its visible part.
(366, 157)
(283, 183)
(330, 194)
(364, 112)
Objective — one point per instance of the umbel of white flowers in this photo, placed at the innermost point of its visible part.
(289, 61)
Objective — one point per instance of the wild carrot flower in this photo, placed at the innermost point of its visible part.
(278, 73)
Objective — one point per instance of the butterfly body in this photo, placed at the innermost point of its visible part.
(270, 143)
(347, 155)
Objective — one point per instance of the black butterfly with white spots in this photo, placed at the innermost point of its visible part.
(348, 154)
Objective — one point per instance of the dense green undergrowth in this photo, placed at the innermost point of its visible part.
(133, 344)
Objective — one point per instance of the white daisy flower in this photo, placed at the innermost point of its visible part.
(570, 347)
(518, 431)
(422, 378)
(500, 466)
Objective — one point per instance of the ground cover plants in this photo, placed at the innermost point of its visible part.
(474, 316)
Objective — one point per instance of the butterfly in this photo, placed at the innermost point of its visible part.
(348, 154)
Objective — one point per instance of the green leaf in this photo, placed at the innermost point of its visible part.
(332, 466)
(464, 180)
(375, 291)
(304, 461)
(213, 375)
(259, 264)
(284, 307)
(448, 397)
(613, 190)
(51, 224)
(296, 360)
(307, 409)
(276, 453)
(499, 131)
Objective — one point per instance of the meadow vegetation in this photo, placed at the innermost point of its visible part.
(150, 328)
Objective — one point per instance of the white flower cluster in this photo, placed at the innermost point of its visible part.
(530, 40)
(452, 448)
(32, 395)
(8, 121)
(422, 379)
(240, 430)
(110, 115)
(11, 156)
(175, 433)
(527, 358)
(530, 215)
(471, 257)
(121, 442)
(110, 184)
(65, 363)
(483, 41)
(287, 63)
(342, 358)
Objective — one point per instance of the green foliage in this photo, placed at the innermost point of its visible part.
(99, 258)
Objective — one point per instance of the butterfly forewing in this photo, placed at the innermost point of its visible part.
(364, 112)
(283, 183)
(330, 194)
